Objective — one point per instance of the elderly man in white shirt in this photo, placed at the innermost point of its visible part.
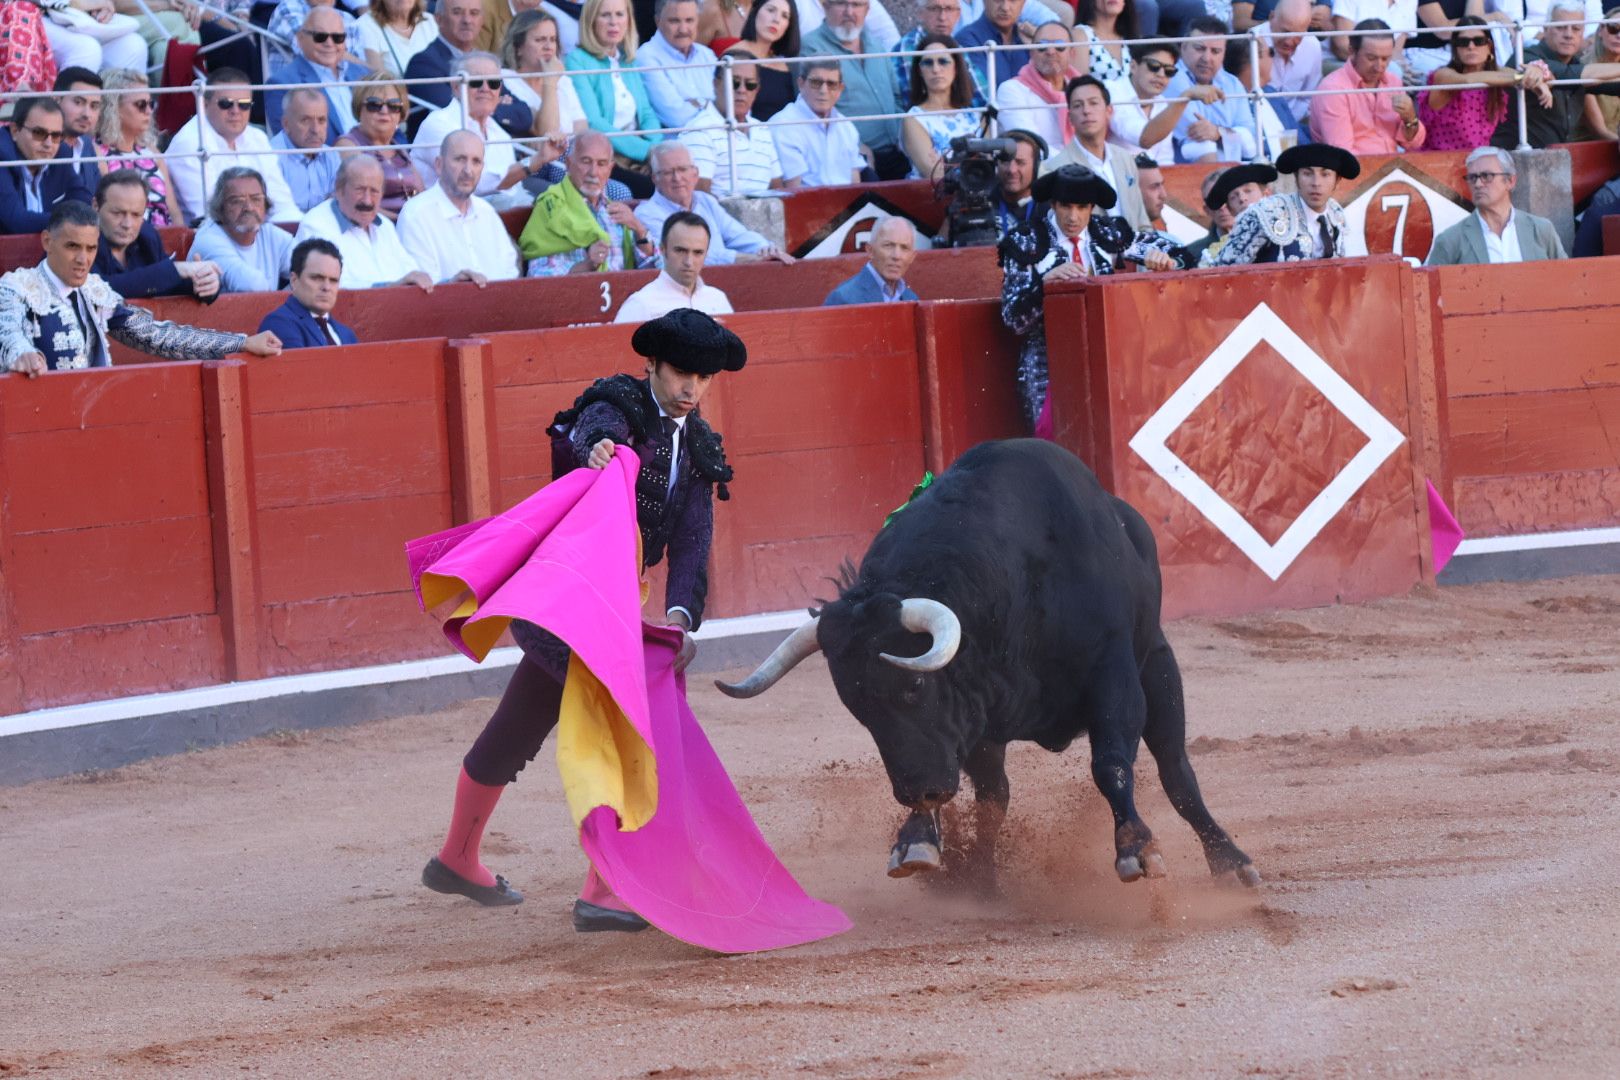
(1296, 58)
(451, 233)
(686, 82)
(685, 243)
(504, 172)
(826, 151)
(223, 130)
(675, 177)
(758, 167)
(372, 253)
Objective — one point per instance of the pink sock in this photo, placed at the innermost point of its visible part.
(474, 803)
(596, 891)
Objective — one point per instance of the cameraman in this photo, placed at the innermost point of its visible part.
(1014, 203)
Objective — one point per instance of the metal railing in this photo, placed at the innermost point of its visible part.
(1255, 93)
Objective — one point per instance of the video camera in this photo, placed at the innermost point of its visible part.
(973, 181)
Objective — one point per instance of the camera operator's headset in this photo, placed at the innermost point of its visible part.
(1042, 152)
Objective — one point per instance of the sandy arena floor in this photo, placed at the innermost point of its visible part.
(1430, 785)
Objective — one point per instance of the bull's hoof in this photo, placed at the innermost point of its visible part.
(1246, 875)
(908, 859)
(1131, 867)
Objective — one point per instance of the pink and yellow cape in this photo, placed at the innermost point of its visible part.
(657, 814)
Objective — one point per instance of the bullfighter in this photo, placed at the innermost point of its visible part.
(683, 467)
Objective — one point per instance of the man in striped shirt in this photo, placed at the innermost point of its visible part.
(758, 167)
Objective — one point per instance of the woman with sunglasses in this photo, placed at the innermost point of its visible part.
(1104, 26)
(126, 129)
(941, 96)
(380, 106)
(615, 101)
(1602, 117)
(1462, 119)
(392, 32)
(772, 34)
(534, 74)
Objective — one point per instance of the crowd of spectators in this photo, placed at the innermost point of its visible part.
(620, 127)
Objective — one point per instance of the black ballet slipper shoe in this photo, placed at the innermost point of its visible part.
(440, 878)
(592, 918)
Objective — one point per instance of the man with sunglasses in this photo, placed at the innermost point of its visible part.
(758, 167)
(223, 130)
(1143, 117)
(1556, 56)
(503, 172)
(27, 194)
(289, 16)
(826, 152)
(322, 44)
(1495, 232)
(460, 24)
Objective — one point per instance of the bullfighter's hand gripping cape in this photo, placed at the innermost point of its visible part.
(657, 814)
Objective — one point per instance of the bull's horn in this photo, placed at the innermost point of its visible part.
(923, 616)
(799, 645)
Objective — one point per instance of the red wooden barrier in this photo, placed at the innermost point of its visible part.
(1268, 441)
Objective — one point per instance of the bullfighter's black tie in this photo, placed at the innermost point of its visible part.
(1327, 237)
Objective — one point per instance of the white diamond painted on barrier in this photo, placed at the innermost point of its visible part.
(1151, 442)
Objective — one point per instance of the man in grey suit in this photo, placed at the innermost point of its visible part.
(892, 248)
(1495, 232)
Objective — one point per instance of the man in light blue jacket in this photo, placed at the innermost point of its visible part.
(891, 248)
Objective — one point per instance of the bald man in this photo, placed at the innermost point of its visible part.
(452, 233)
(1296, 60)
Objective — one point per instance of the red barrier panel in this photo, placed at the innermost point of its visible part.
(1268, 441)
(1532, 446)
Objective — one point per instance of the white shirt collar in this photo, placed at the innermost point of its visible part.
(449, 206)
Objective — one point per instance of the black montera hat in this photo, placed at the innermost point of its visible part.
(1074, 184)
(1321, 155)
(692, 341)
(1236, 177)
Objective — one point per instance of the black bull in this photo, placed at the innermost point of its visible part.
(1013, 600)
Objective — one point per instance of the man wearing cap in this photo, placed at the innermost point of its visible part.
(1072, 241)
(1293, 228)
(1234, 191)
(681, 464)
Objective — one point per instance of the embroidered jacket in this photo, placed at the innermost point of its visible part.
(1031, 250)
(35, 318)
(1278, 229)
(679, 520)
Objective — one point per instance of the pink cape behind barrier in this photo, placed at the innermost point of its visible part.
(690, 859)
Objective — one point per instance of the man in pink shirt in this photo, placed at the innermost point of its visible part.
(1367, 123)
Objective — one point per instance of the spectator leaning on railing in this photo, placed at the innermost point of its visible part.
(1032, 98)
(1144, 117)
(372, 253)
(1220, 130)
(81, 113)
(251, 256)
(1363, 123)
(223, 130)
(1556, 56)
(868, 87)
(304, 320)
(1462, 119)
(941, 17)
(891, 249)
(1296, 58)
(758, 167)
(451, 233)
(126, 129)
(1089, 113)
(730, 241)
(28, 193)
(684, 242)
(1495, 232)
(131, 258)
(304, 127)
(575, 228)
(685, 86)
(827, 151)
(59, 315)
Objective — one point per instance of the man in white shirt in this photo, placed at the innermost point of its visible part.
(675, 177)
(1296, 59)
(223, 131)
(452, 234)
(680, 92)
(250, 257)
(372, 253)
(828, 150)
(680, 283)
(758, 167)
(503, 171)
(1090, 110)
